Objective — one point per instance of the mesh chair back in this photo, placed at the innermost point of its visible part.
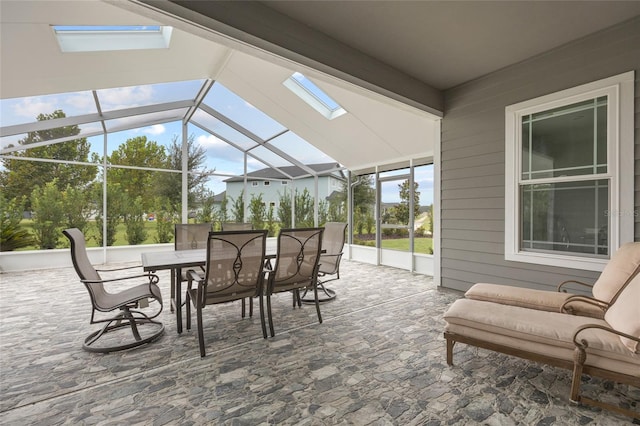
(236, 226)
(234, 266)
(332, 244)
(191, 236)
(297, 258)
(85, 270)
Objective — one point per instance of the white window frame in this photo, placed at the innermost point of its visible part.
(619, 90)
(255, 183)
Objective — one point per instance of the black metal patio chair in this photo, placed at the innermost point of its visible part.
(296, 266)
(233, 271)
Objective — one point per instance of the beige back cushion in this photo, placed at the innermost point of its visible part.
(623, 264)
(624, 314)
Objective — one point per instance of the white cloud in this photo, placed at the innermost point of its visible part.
(81, 102)
(32, 107)
(210, 141)
(156, 129)
(125, 97)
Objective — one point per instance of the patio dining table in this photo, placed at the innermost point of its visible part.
(177, 260)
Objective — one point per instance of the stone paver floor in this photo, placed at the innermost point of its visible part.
(377, 359)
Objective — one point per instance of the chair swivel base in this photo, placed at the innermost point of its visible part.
(324, 295)
(135, 324)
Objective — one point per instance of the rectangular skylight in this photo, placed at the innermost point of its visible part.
(99, 38)
(315, 97)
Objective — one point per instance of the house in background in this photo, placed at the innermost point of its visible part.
(274, 183)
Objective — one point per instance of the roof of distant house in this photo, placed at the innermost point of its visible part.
(295, 171)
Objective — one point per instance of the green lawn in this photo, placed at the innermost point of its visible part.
(421, 245)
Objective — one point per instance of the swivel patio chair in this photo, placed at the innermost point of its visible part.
(233, 271)
(332, 246)
(296, 266)
(143, 328)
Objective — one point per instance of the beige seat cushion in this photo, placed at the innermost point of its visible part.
(539, 332)
(624, 314)
(622, 266)
(551, 301)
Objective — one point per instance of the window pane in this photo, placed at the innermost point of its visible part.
(569, 217)
(364, 198)
(423, 221)
(394, 214)
(566, 141)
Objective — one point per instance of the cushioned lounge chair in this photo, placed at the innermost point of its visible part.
(607, 348)
(617, 273)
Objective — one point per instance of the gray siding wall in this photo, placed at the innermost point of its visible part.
(473, 157)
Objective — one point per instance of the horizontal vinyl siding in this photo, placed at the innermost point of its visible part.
(472, 156)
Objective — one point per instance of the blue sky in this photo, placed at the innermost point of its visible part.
(221, 157)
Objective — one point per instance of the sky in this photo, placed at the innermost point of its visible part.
(221, 157)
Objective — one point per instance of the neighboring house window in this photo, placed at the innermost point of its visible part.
(285, 182)
(254, 183)
(569, 175)
(267, 183)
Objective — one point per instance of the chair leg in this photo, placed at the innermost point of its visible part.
(243, 309)
(188, 307)
(270, 315)
(450, 343)
(315, 293)
(251, 307)
(264, 327)
(132, 321)
(579, 357)
(200, 332)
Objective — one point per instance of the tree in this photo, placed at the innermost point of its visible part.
(169, 185)
(257, 211)
(165, 220)
(134, 220)
(137, 152)
(115, 207)
(304, 209)
(402, 209)
(48, 214)
(284, 210)
(20, 177)
(12, 235)
(237, 207)
(77, 207)
(205, 201)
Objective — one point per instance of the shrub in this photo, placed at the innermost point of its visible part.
(12, 235)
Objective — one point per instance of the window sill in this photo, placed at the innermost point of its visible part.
(559, 260)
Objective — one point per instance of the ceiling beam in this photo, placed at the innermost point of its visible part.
(253, 24)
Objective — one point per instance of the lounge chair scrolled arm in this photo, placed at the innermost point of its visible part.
(584, 343)
(582, 299)
(562, 284)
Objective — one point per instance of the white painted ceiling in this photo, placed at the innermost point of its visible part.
(440, 43)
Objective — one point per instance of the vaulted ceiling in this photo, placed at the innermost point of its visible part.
(386, 63)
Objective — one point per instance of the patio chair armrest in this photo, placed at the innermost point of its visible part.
(119, 269)
(583, 343)
(583, 299)
(192, 276)
(561, 285)
(153, 278)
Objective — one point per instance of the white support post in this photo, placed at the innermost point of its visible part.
(185, 174)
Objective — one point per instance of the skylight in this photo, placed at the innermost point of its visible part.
(104, 38)
(317, 99)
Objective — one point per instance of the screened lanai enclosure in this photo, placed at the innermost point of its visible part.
(124, 153)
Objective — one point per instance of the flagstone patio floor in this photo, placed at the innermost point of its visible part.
(377, 359)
